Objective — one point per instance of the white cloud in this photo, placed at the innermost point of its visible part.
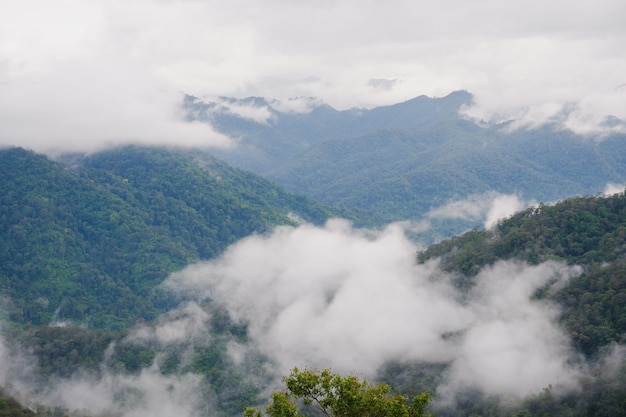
(96, 72)
(352, 300)
(148, 393)
(189, 323)
(612, 188)
(88, 105)
(296, 104)
(259, 114)
(489, 207)
(513, 344)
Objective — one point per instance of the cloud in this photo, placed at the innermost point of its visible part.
(513, 344)
(612, 188)
(16, 369)
(382, 83)
(297, 105)
(148, 393)
(108, 392)
(91, 73)
(86, 106)
(489, 207)
(352, 300)
(189, 323)
(345, 298)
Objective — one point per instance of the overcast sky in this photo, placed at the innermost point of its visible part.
(89, 73)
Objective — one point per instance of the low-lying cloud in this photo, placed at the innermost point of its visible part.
(489, 208)
(612, 188)
(353, 300)
(339, 297)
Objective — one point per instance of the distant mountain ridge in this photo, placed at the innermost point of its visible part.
(264, 146)
(398, 162)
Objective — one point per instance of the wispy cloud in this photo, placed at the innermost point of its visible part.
(612, 188)
(488, 207)
(352, 300)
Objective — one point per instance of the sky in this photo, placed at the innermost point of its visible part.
(83, 75)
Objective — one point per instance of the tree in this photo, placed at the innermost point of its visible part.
(333, 395)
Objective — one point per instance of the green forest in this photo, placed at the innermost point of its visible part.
(88, 239)
(85, 241)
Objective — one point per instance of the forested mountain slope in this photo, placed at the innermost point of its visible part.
(589, 231)
(404, 174)
(265, 145)
(89, 241)
(398, 162)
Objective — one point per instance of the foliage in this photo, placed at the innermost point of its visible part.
(90, 241)
(588, 231)
(336, 396)
(9, 407)
(398, 162)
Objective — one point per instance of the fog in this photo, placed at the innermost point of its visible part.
(84, 75)
(338, 297)
(351, 300)
(489, 208)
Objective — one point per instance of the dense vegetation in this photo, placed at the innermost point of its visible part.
(90, 241)
(87, 239)
(398, 162)
(590, 232)
(334, 395)
(403, 174)
(9, 407)
(262, 147)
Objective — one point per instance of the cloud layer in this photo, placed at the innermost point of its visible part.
(488, 207)
(91, 73)
(353, 300)
(339, 297)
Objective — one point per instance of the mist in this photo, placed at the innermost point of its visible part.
(84, 75)
(337, 297)
(353, 300)
(488, 208)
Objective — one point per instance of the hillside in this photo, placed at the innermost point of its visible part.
(88, 241)
(265, 145)
(588, 231)
(398, 162)
(404, 174)
(197, 341)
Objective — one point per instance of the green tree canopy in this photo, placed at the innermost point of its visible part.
(311, 392)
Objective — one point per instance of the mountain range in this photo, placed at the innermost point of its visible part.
(399, 162)
(153, 280)
(88, 239)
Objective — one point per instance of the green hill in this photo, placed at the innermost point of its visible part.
(589, 231)
(88, 240)
(402, 174)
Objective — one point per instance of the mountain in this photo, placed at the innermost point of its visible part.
(398, 162)
(403, 175)
(589, 232)
(282, 135)
(88, 240)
